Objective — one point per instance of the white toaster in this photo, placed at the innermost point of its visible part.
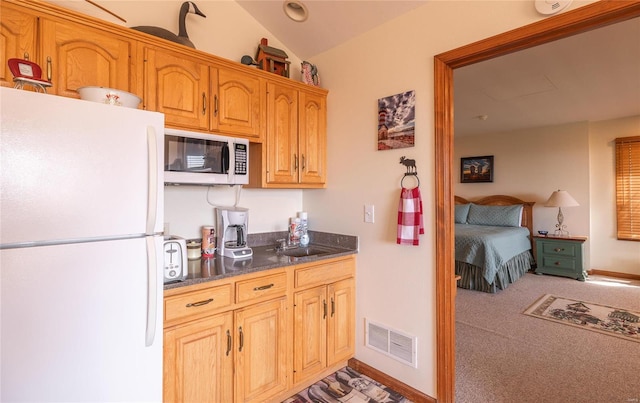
(175, 259)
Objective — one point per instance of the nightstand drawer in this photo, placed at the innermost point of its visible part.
(560, 248)
(559, 262)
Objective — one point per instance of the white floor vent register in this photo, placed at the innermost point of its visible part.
(391, 342)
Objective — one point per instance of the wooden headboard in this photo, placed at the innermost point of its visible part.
(502, 200)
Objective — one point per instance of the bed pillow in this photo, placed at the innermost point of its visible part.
(499, 216)
(461, 213)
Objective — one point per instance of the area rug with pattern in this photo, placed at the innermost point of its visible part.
(347, 385)
(617, 322)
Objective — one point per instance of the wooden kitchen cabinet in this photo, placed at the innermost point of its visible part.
(178, 86)
(238, 103)
(198, 361)
(227, 341)
(294, 150)
(70, 54)
(197, 95)
(261, 335)
(18, 36)
(282, 134)
(77, 56)
(312, 138)
(324, 319)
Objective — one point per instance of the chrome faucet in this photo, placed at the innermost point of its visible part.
(282, 245)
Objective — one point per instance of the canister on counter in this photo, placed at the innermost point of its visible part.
(208, 241)
(194, 250)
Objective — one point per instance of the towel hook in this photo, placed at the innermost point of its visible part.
(410, 164)
(410, 174)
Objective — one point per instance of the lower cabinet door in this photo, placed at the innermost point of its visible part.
(260, 347)
(310, 329)
(341, 327)
(198, 361)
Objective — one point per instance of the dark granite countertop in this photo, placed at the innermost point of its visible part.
(264, 257)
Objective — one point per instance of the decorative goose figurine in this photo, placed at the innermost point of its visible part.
(182, 37)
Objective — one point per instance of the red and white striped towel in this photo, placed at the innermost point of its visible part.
(410, 223)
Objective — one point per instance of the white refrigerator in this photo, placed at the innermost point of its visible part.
(81, 221)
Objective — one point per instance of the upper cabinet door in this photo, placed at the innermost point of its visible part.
(18, 37)
(238, 103)
(77, 56)
(313, 138)
(282, 134)
(177, 86)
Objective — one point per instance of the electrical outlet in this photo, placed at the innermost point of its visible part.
(369, 214)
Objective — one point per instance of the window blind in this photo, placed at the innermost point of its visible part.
(628, 187)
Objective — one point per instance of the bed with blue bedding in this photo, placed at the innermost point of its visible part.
(493, 242)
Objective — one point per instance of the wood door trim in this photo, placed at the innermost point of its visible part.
(586, 18)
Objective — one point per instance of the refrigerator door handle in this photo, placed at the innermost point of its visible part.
(152, 291)
(152, 198)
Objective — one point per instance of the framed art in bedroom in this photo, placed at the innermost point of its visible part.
(476, 169)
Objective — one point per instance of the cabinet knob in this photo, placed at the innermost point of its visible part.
(557, 263)
(204, 104)
(558, 250)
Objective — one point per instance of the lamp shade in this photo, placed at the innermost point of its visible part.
(561, 198)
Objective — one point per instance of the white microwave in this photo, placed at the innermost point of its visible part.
(192, 158)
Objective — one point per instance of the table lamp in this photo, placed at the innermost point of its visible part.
(560, 199)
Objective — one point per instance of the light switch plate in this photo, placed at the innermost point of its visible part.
(369, 214)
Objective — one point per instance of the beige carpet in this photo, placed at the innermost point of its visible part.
(503, 356)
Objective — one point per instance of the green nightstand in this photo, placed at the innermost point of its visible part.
(560, 256)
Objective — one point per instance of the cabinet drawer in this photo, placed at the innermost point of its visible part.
(259, 287)
(560, 248)
(323, 274)
(198, 302)
(559, 262)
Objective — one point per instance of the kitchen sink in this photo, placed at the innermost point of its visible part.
(307, 252)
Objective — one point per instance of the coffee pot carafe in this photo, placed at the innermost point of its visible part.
(232, 226)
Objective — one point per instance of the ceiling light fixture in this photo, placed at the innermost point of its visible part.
(296, 10)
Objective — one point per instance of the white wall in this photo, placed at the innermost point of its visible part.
(608, 253)
(187, 208)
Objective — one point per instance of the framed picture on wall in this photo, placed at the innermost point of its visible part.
(476, 169)
(396, 121)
